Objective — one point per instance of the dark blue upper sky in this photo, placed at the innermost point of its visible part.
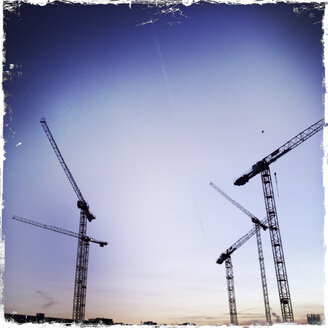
(78, 42)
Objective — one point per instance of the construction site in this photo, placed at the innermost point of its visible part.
(188, 205)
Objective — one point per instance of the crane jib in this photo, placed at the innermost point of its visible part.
(60, 230)
(263, 164)
(61, 159)
(81, 203)
(243, 209)
(240, 242)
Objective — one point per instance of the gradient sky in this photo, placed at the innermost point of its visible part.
(146, 115)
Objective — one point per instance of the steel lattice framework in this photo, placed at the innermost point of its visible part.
(241, 241)
(229, 272)
(263, 276)
(277, 249)
(80, 286)
(60, 230)
(61, 159)
(81, 261)
(257, 226)
(231, 292)
(285, 148)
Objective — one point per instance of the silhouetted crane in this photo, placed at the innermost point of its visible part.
(257, 225)
(226, 257)
(262, 167)
(80, 285)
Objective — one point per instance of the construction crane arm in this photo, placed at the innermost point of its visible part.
(82, 204)
(241, 241)
(253, 217)
(61, 159)
(60, 230)
(288, 146)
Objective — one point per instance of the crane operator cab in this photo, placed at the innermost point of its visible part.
(85, 207)
(222, 258)
(259, 167)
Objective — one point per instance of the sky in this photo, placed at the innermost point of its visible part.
(148, 105)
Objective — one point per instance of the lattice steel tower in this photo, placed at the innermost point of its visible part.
(80, 285)
(276, 243)
(257, 226)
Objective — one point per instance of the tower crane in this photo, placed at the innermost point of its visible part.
(226, 257)
(80, 285)
(263, 167)
(257, 225)
(60, 230)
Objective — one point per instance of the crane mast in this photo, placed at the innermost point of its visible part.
(80, 285)
(277, 249)
(226, 257)
(231, 291)
(263, 276)
(231, 285)
(257, 225)
(270, 206)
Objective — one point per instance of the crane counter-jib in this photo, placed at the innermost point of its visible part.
(240, 242)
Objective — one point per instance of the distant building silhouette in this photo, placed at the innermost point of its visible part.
(188, 324)
(314, 319)
(101, 321)
(20, 318)
(41, 318)
(150, 323)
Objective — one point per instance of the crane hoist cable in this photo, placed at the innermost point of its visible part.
(275, 178)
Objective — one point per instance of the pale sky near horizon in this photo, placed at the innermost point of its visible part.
(146, 115)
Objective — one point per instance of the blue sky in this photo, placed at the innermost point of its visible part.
(146, 115)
